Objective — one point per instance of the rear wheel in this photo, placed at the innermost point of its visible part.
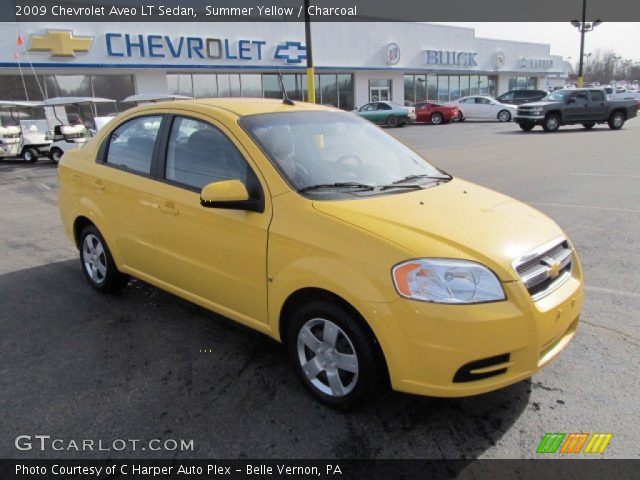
(551, 123)
(333, 355)
(97, 263)
(392, 121)
(55, 154)
(504, 115)
(588, 125)
(616, 121)
(461, 116)
(30, 155)
(436, 118)
(526, 126)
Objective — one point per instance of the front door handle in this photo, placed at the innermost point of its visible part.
(97, 185)
(169, 209)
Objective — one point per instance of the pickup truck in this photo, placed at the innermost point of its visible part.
(570, 107)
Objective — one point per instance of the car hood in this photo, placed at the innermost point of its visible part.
(457, 219)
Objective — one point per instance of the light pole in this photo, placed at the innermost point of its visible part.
(311, 85)
(584, 27)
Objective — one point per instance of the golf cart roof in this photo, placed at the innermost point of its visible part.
(19, 103)
(154, 97)
(52, 102)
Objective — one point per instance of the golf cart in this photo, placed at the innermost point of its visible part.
(72, 121)
(142, 98)
(22, 136)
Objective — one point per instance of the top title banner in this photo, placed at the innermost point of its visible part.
(318, 10)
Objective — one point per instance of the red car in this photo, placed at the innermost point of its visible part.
(435, 113)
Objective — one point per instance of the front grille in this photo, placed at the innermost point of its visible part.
(546, 268)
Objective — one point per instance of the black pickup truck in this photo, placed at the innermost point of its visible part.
(570, 107)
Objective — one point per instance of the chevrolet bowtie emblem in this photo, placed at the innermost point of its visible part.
(554, 267)
(59, 43)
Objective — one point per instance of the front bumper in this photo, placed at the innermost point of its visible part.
(529, 118)
(462, 350)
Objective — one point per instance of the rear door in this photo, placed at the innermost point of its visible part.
(597, 107)
(121, 191)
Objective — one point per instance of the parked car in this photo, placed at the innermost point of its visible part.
(435, 113)
(483, 108)
(440, 286)
(387, 113)
(518, 97)
(580, 106)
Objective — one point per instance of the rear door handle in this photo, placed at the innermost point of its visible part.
(97, 185)
(169, 209)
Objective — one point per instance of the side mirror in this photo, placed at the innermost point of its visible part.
(571, 100)
(229, 194)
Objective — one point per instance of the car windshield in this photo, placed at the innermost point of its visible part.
(338, 149)
(559, 95)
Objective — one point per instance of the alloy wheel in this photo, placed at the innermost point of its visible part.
(94, 259)
(327, 357)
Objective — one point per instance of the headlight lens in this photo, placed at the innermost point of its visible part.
(443, 280)
(537, 111)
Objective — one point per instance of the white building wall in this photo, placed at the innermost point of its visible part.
(153, 81)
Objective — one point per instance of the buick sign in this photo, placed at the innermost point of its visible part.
(456, 59)
(392, 53)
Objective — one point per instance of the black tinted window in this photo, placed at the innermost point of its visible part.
(199, 154)
(581, 96)
(131, 144)
(597, 95)
(384, 106)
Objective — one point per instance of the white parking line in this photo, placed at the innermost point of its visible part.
(604, 175)
(44, 186)
(620, 293)
(612, 209)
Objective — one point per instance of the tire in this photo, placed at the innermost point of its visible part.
(504, 116)
(97, 262)
(436, 118)
(526, 126)
(461, 116)
(29, 155)
(392, 121)
(616, 120)
(551, 123)
(55, 154)
(316, 360)
(588, 125)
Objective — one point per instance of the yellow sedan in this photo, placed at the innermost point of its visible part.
(317, 228)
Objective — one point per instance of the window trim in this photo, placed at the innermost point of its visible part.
(256, 201)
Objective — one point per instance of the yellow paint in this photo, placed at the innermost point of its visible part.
(59, 43)
(311, 85)
(218, 258)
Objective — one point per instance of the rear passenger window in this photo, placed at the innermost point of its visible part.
(597, 95)
(199, 154)
(131, 144)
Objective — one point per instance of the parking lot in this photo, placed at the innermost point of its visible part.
(143, 364)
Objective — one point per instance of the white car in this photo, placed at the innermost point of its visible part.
(477, 107)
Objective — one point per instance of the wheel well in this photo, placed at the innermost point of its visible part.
(554, 112)
(304, 295)
(620, 110)
(78, 225)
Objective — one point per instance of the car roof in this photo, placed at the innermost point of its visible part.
(240, 107)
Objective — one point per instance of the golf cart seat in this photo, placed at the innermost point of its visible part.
(64, 132)
(10, 134)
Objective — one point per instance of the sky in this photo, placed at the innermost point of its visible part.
(621, 37)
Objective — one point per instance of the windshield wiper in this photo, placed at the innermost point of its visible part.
(321, 186)
(413, 186)
(416, 177)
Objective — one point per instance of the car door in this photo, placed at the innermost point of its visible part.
(597, 106)
(468, 107)
(368, 111)
(576, 110)
(216, 256)
(383, 111)
(485, 108)
(120, 192)
(422, 112)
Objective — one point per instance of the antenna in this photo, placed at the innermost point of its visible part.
(285, 99)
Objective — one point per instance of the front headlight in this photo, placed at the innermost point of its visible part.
(537, 111)
(443, 280)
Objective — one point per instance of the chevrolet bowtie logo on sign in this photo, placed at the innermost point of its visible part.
(59, 43)
(573, 443)
(554, 267)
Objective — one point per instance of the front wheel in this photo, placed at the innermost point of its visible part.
(504, 115)
(333, 355)
(97, 262)
(55, 154)
(551, 123)
(526, 126)
(436, 118)
(392, 121)
(461, 117)
(588, 125)
(616, 121)
(30, 155)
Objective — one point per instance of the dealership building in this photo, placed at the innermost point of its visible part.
(355, 62)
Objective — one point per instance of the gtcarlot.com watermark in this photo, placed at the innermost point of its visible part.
(44, 443)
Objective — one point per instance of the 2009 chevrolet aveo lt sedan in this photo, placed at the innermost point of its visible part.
(320, 230)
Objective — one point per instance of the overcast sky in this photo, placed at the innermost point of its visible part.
(623, 38)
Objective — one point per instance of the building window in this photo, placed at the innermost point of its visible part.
(379, 90)
(409, 89)
(443, 88)
(523, 83)
(180, 84)
(454, 88)
(251, 85)
(204, 86)
(345, 91)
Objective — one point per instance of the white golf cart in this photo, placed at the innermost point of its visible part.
(72, 121)
(22, 135)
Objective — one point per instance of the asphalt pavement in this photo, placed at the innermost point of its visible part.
(144, 364)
